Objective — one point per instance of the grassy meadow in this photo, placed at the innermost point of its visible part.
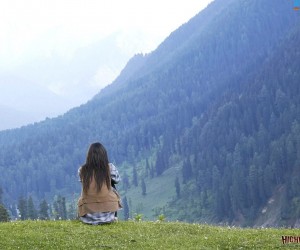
(156, 198)
(138, 235)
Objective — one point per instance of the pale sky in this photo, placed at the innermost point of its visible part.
(57, 54)
(31, 28)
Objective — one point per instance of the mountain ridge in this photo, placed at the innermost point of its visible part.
(205, 113)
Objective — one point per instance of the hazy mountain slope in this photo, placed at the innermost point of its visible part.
(11, 118)
(248, 147)
(25, 102)
(190, 105)
(63, 81)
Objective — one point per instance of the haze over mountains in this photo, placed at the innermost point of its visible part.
(44, 44)
(52, 85)
(209, 122)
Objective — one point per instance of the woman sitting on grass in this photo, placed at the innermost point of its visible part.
(98, 201)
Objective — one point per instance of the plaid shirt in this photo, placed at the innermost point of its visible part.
(114, 174)
(98, 218)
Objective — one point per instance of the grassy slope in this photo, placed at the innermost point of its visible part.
(157, 195)
(137, 235)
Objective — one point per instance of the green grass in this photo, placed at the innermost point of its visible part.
(138, 235)
(157, 195)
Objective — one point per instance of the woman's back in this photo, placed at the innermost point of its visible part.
(98, 199)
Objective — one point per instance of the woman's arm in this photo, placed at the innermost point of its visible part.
(114, 174)
(78, 172)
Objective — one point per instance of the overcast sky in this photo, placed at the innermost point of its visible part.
(40, 27)
(57, 54)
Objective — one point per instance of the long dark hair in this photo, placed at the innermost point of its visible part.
(96, 166)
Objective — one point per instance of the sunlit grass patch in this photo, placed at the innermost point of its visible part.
(137, 235)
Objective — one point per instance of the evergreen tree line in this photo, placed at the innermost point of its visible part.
(248, 149)
(235, 157)
(158, 102)
(59, 209)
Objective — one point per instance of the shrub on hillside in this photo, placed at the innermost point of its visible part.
(4, 216)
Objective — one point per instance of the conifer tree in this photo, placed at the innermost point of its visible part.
(134, 177)
(159, 164)
(43, 212)
(152, 172)
(1, 193)
(177, 187)
(22, 207)
(59, 206)
(144, 189)
(147, 168)
(72, 211)
(4, 216)
(125, 182)
(125, 208)
(31, 211)
(64, 208)
(187, 171)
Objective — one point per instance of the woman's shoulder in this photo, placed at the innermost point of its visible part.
(80, 169)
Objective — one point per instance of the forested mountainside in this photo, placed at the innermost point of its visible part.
(218, 99)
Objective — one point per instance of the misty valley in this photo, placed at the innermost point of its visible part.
(204, 129)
